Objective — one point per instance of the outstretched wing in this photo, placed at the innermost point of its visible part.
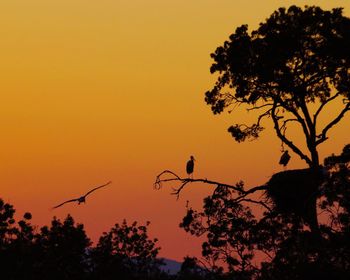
(59, 205)
(94, 189)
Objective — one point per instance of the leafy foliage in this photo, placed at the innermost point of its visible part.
(227, 225)
(63, 251)
(129, 249)
(244, 244)
(16, 243)
(295, 58)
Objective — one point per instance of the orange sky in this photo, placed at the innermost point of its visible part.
(93, 91)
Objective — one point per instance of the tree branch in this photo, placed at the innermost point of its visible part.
(283, 127)
(184, 181)
(259, 107)
(323, 136)
(265, 114)
(309, 124)
(289, 143)
(323, 104)
(255, 202)
(294, 112)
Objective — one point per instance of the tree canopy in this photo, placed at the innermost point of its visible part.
(296, 58)
(64, 251)
(244, 244)
(127, 252)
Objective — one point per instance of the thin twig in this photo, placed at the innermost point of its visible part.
(255, 202)
(259, 107)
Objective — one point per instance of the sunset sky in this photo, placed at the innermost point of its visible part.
(93, 91)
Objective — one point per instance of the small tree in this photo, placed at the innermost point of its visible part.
(191, 269)
(7, 224)
(17, 254)
(127, 252)
(63, 250)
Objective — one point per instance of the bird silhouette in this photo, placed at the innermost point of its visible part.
(284, 159)
(190, 166)
(81, 199)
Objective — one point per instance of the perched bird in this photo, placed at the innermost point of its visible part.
(82, 198)
(190, 166)
(284, 159)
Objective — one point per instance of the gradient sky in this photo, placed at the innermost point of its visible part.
(93, 91)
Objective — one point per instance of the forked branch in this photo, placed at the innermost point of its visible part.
(324, 104)
(279, 132)
(169, 176)
(323, 136)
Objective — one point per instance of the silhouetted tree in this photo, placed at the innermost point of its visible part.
(192, 270)
(126, 252)
(7, 224)
(288, 70)
(277, 246)
(16, 244)
(63, 250)
(296, 58)
(304, 257)
(227, 225)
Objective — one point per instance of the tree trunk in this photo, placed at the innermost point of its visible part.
(312, 205)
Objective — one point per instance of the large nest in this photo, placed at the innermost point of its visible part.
(293, 191)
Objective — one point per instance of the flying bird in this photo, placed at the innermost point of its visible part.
(284, 159)
(190, 166)
(82, 198)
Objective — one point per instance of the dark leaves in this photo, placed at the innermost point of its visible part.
(241, 132)
(296, 56)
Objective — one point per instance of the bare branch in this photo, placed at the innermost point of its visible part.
(184, 181)
(176, 191)
(289, 143)
(259, 107)
(323, 136)
(280, 102)
(256, 202)
(323, 104)
(265, 114)
(158, 183)
(253, 190)
(283, 126)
